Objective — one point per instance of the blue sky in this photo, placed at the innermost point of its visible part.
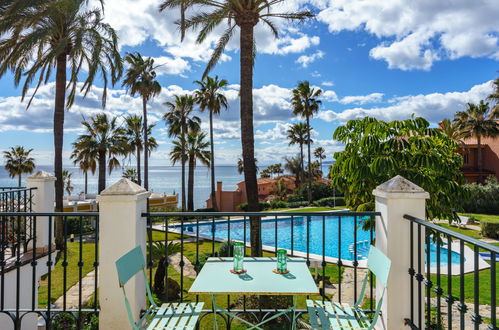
(389, 59)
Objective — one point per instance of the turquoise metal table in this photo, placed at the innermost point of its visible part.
(215, 278)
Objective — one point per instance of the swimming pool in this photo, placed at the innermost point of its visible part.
(298, 226)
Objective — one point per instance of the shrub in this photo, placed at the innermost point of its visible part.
(263, 206)
(207, 209)
(295, 198)
(297, 204)
(72, 225)
(482, 198)
(330, 202)
(490, 228)
(278, 205)
(319, 190)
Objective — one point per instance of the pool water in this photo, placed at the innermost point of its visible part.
(318, 243)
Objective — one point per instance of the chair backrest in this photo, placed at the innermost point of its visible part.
(379, 264)
(130, 264)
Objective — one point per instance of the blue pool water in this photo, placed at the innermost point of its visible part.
(318, 243)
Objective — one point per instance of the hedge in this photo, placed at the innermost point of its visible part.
(330, 201)
(482, 198)
(489, 228)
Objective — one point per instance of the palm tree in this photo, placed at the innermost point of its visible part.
(209, 97)
(130, 174)
(451, 129)
(180, 121)
(240, 165)
(68, 185)
(320, 154)
(297, 134)
(159, 253)
(195, 150)
(245, 14)
(305, 104)
(103, 141)
(133, 131)
(494, 97)
(38, 36)
(140, 79)
(85, 162)
(476, 122)
(294, 165)
(18, 162)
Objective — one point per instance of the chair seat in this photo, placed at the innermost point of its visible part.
(328, 315)
(175, 316)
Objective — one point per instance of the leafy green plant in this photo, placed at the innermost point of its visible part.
(376, 151)
(330, 201)
(320, 190)
(159, 253)
(482, 198)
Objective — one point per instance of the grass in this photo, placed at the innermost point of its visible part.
(57, 274)
(465, 231)
(480, 217)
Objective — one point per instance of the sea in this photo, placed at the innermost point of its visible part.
(162, 179)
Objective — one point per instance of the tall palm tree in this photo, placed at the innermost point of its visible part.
(494, 97)
(86, 163)
(294, 165)
(452, 130)
(297, 134)
(195, 150)
(68, 184)
(140, 79)
(40, 36)
(209, 97)
(306, 103)
(18, 162)
(130, 174)
(245, 14)
(103, 141)
(133, 131)
(320, 154)
(180, 121)
(476, 122)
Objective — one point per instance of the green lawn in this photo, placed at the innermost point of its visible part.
(465, 231)
(479, 217)
(57, 274)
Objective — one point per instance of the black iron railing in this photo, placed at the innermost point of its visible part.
(54, 269)
(469, 285)
(327, 239)
(16, 235)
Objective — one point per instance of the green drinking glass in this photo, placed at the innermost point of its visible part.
(238, 257)
(282, 261)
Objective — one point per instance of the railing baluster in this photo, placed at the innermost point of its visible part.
(18, 270)
(80, 269)
(167, 263)
(476, 291)
(181, 263)
(33, 269)
(371, 277)
(462, 306)
(65, 264)
(355, 262)
(275, 235)
(197, 252)
(428, 283)
(411, 270)
(339, 259)
(450, 297)
(49, 276)
(308, 241)
(96, 261)
(493, 297)
(323, 258)
(438, 289)
(419, 278)
(2, 262)
(292, 236)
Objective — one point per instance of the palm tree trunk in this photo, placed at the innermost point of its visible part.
(60, 98)
(183, 166)
(19, 183)
(214, 204)
(480, 161)
(247, 134)
(302, 170)
(190, 184)
(102, 170)
(139, 181)
(146, 145)
(309, 165)
(86, 182)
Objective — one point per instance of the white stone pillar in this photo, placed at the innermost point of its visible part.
(43, 200)
(121, 228)
(394, 199)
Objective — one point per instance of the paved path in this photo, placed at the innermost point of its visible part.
(72, 295)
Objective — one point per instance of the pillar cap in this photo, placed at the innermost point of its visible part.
(123, 187)
(41, 176)
(402, 187)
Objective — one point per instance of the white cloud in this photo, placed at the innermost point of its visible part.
(330, 96)
(327, 84)
(417, 33)
(305, 60)
(171, 66)
(362, 99)
(434, 107)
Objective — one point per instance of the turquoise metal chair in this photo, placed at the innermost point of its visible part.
(333, 315)
(168, 316)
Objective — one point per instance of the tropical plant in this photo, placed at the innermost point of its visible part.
(159, 253)
(475, 122)
(180, 121)
(195, 149)
(68, 184)
(37, 37)
(494, 98)
(240, 165)
(86, 163)
(103, 141)
(297, 134)
(294, 166)
(265, 173)
(245, 14)
(320, 154)
(209, 98)
(140, 78)
(305, 101)
(130, 174)
(376, 151)
(133, 131)
(280, 191)
(18, 162)
(451, 129)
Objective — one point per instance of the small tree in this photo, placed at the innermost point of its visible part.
(68, 184)
(159, 253)
(375, 151)
(18, 162)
